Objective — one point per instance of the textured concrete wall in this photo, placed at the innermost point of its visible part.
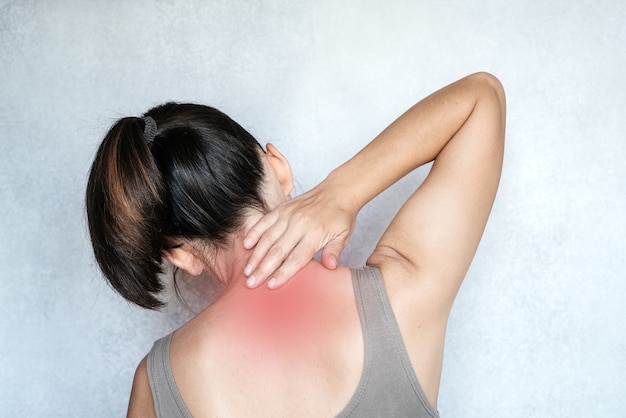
(538, 329)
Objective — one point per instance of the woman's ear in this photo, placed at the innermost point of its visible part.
(184, 259)
(281, 168)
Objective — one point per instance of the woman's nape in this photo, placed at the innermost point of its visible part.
(226, 263)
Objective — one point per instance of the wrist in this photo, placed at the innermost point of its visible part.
(345, 190)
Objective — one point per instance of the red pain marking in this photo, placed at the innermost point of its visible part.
(284, 318)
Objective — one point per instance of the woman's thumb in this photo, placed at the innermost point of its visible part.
(330, 254)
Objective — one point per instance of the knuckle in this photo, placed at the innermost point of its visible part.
(293, 260)
(264, 271)
(301, 217)
(275, 252)
(267, 238)
(312, 219)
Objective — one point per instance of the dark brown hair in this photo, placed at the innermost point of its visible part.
(195, 181)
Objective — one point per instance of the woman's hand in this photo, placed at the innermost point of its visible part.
(286, 239)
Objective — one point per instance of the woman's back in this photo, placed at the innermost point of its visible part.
(316, 347)
(295, 351)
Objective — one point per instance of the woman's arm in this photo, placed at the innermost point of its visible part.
(436, 232)
(461, 127)
(141, 404)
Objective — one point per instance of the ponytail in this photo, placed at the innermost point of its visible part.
(186, 172)
(125, 211)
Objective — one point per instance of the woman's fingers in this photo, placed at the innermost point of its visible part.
(291, 252)
(283, 249)
(284, 268)
(286, 239)
(257, 231)
(273, 258)
(267, 249)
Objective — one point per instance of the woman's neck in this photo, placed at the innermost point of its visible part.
(279, 317)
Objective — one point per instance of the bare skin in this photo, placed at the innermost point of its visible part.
(242, 355)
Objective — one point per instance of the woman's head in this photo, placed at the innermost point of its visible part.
(196, 181)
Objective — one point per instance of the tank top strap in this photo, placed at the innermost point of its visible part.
(388, 386)
(165, 394)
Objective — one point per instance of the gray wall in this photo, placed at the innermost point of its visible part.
(538, 329)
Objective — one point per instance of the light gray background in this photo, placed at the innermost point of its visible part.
(538, 329)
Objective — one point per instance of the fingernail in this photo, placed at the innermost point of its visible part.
(251, 281)
(248, 270)
(247, 243)
(271, 283)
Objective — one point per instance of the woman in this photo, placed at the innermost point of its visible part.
(187, 184)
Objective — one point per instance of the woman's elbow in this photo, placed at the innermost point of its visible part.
(493, 86)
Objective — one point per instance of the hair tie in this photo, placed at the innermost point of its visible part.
(149, 129)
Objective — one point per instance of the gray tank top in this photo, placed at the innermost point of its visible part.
(388, 385)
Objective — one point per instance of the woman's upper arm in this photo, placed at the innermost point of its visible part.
(433, 238)
(141, 404)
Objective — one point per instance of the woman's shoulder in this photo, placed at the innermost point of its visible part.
(141, 403)
(420, 312)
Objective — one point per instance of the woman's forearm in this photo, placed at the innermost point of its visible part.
(285, 239)
(414, 139)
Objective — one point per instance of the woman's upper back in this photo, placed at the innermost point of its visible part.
(255, 350)
(320, 368)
